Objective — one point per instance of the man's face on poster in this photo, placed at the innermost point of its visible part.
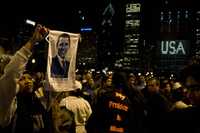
(63, 46)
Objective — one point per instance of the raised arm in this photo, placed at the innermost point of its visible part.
(12, 72)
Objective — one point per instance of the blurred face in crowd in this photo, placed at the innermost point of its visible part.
(167, 88)
(88, 76)
(26, 83)
(142, 78)
(193, 84)
(195, 97)
(153, 86)
(132, 80)
(109, 82)
(63, 46)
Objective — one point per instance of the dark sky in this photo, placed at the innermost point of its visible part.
(65, 14)
(51, 13)
(58, 15)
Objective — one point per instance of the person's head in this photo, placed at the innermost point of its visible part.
(153, 85)
(165, 87)
(195, 95)
(119, 81)
(63, 45)
(131, 79)
(109, 82)
(191, 78)
(87, 76)
(191, 75)
(177, 91)
(106, 81)
(26, 83)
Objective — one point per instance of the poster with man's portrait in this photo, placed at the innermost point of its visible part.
(61, 60)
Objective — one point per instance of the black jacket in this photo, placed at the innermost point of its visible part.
(57, 70)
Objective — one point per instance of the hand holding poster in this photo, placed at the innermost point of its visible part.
(61, 60)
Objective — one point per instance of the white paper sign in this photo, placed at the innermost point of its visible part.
(61, 60)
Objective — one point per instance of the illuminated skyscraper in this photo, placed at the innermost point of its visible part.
(175, 40)
(129, 54)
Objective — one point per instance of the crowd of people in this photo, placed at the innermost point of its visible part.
(117, 102)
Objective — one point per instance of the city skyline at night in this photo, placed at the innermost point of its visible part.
(158, 22)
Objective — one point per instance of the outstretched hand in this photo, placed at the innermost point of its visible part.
(39, 33)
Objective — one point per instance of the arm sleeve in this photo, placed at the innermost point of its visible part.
(8, 87)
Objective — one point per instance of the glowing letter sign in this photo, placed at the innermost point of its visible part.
(172, 48)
